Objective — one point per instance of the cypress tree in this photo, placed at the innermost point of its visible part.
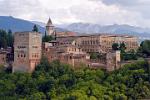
(35, 28)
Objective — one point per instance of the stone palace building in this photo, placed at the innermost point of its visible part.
(27, 51)
(101, 43)
(68, 48)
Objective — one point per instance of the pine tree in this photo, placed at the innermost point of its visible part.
(10, 38)
(35, 28)
(3, 39)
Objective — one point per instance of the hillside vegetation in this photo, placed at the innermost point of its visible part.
(56, 81)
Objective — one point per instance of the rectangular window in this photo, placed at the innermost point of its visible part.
(21, 47)
(34, 46)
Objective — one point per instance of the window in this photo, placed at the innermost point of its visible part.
(21, 47)
(93, 42)
(3, 59)
(70, 57)
(21, 34)
(34, 46)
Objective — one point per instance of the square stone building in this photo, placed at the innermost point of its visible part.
(27, 51)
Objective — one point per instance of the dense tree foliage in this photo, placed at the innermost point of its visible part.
(144, 49)
(6, 39)
(56, 81)
(130, 55)
(47, 38)
(115, 46)
(125, 55)
(122, 47)
(3, 39)
(97, 56)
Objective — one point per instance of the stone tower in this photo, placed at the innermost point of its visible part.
(113, 60)
(27, 51)
(50, 30)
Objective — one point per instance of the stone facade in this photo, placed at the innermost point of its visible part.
(107, 41)
(67, 54)
(27, 51)
(6, 57)
(3, 57)
(108, 61)
(113, 61)
(64, 34)
(101, 43)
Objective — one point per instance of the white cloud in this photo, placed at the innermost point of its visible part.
(69, 11)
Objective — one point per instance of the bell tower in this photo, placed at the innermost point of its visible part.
(50, 30)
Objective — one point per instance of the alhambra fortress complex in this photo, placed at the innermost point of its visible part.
(68, 48)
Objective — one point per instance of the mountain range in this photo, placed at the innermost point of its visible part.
(15, 24)
(142, 33)
(18, 25)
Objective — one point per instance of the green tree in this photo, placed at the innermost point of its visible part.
(145, 47)
(37, 96)
(3, 39)
(47, 38)
(122, 47)
(57, 81)
(115, 46)
(130, 55)
(10, 38)
(93, 56)
(35, 28)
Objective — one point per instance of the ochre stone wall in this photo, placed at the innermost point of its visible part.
(3, 58)
(67, 54)
(99, 43)
(27, 51)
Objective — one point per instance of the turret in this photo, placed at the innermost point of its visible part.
(50, 30)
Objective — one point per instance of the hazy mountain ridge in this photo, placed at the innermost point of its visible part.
(86, 28)
(19, 25)
(39, 23)
(94, 28)
(57, 27)
(15, 24)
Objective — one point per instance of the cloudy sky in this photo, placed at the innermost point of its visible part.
(104, 12)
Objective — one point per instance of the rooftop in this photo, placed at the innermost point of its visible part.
(100, 34)
(49, 23)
